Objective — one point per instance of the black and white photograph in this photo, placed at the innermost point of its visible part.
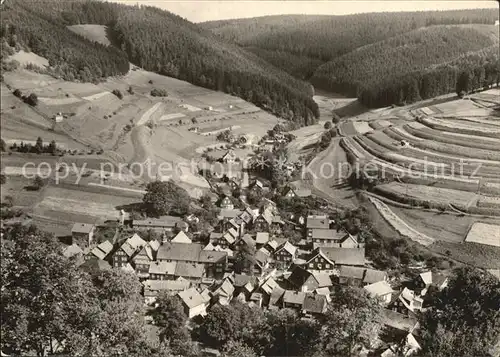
(250, 178)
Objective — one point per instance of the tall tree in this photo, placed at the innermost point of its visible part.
(166, 198)
(465, 317)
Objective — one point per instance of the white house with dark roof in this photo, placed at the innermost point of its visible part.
(381, 290)
(83, 231)
(193, 302)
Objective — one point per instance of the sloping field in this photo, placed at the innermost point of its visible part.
(399, 225)
(484, 233)
(462, 127)
(427, 194)
(25, 58)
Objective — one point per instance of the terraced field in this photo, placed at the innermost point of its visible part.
(436, 167)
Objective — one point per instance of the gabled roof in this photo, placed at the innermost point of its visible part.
(289, 247)
(261, 258)
(433, 278)
(273, 244)
(276, 295)
(380, 288)
(102, 250)
(241, 279)
(256, 297)
(314, 303)
(262, 237)
(247, 239)
(181, 237)
(215, 235)
(72, 250)
(191, 298)
(345, 256)
(299, 277)
(294, 297)
(209, 246)
(128, 249)
(324, 291)
(179, 251)
(226, 289)
(319, 252)
(320, 222)
(229, 238)
(373, 276)
(247, 215)
(154, 244)
(351, 272)
(323, 279)
(329, 234)
(84, 228)
(265, 251)
(189, 270)
(269, 286)
(167, 268)
(207, 256)
(136, 242)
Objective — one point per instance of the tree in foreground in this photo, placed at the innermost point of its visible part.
(234, 348)
(465, 317)
(166, 198)
(351, 322)
(51, 306)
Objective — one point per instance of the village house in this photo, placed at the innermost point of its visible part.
(162, 270)
(263, 221)
(83, 232)
(285, 254)
(181, 237)
(316, 222)
(428, 279)
(261, 239)
(291, 192)
(276, 297)
(152, 288)
(161, 225)
(101, 252)
(229, 157)
(224, 293)
(127, 251)
(245, 241)
(226, 203)
(407, 302)
(214, 262)
(244, 284)
(256, 299)
(144, 258)
(380, 290)
(314, 304)
(333, 238)
(293, 299)
(262, 260)
(358, 276)
(193, 302)
(305, 281)
(192, 272)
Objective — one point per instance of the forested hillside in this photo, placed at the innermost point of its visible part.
(375, 55)
(157, 41)
(392, 58)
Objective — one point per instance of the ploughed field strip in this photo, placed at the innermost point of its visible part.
(435, 163)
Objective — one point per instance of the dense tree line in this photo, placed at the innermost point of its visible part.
(399, 55)
(164, 43)
(467, 74)
(325, 38)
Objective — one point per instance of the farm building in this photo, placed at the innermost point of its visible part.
(162, 224)
(83, 231)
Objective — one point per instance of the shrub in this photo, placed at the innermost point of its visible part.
(150, 81)
(130, 90)
(328, 125)
(18, 93)
(159, 92)
(32, 99)
(118, 93)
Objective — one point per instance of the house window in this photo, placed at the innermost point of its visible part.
(311, 265)
(319, 266)
(327, 266)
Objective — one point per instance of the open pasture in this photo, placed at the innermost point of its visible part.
(462, 127)
(484, 233)
(17, 188)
